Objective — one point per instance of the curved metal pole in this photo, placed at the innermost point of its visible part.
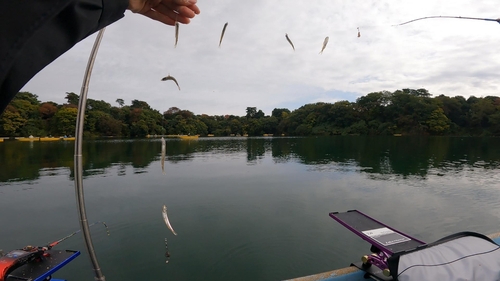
(78, 169)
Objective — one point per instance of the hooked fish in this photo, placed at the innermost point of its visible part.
(222, 35)
(168, 77)
(176, 33)
(165, 218)
(289, 41)
(163, 152)
(324, 44)
(359, 34)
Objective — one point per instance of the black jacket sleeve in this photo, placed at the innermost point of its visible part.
(33, 33)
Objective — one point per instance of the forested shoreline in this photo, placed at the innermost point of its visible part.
(406, 112)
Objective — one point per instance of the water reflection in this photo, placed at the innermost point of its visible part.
(379, 157)
(244, 208)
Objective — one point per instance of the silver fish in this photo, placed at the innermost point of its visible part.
(168, 77)
(324, 44)
(176, 33)
(163, 152)
(222, 35)
(289, 41)
(165, 218)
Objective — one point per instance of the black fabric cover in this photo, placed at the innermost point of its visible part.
(33, 33)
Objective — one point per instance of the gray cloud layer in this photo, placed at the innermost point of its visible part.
(256, 66)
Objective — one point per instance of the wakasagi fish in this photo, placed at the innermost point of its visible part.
(324, 44)
(163, 152)
(289, 41)
(222, 35)
(176, 33)
(165, 218)
(168, 77)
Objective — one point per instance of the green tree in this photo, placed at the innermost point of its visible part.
(437, 122)
(140, 104)
(11, 121)
(29, 97)
(65, 120)
(280, 113)
(72, 98)
(251, 112)
(210, 123)
(235, 126)
(269, 125)
(47, 110)
(109, 126)
(259, 114)
(98, 105)
(455, 109)
(120, 102)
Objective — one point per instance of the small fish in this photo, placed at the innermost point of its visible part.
(168, 77)
(222, 35)
(289, 41)
(359, 34)
(324, 44)
(163, 152)
(165, 218)
(176, 33)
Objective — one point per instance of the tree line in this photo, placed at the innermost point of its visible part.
(406, 112)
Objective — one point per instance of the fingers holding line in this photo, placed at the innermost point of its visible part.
(170, 12)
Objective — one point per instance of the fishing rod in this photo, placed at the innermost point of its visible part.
(17, 258)
(449, 17)
(78, 162)
(79, 230)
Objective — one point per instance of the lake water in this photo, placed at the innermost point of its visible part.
(243, 208)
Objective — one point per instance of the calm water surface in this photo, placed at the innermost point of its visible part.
(243, 208)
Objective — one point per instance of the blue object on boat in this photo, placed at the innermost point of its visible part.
(48, 265)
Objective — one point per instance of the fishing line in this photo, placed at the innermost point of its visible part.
(79, 230)
(167, 253)
(368, 27)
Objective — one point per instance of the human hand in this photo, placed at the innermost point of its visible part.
(166, 11)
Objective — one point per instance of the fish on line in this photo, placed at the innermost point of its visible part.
(325, 42)
(167, 221)
(222, 34)
(176, 33)
(168, 77)
(289, 41)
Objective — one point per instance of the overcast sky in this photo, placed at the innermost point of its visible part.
(257, 67)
